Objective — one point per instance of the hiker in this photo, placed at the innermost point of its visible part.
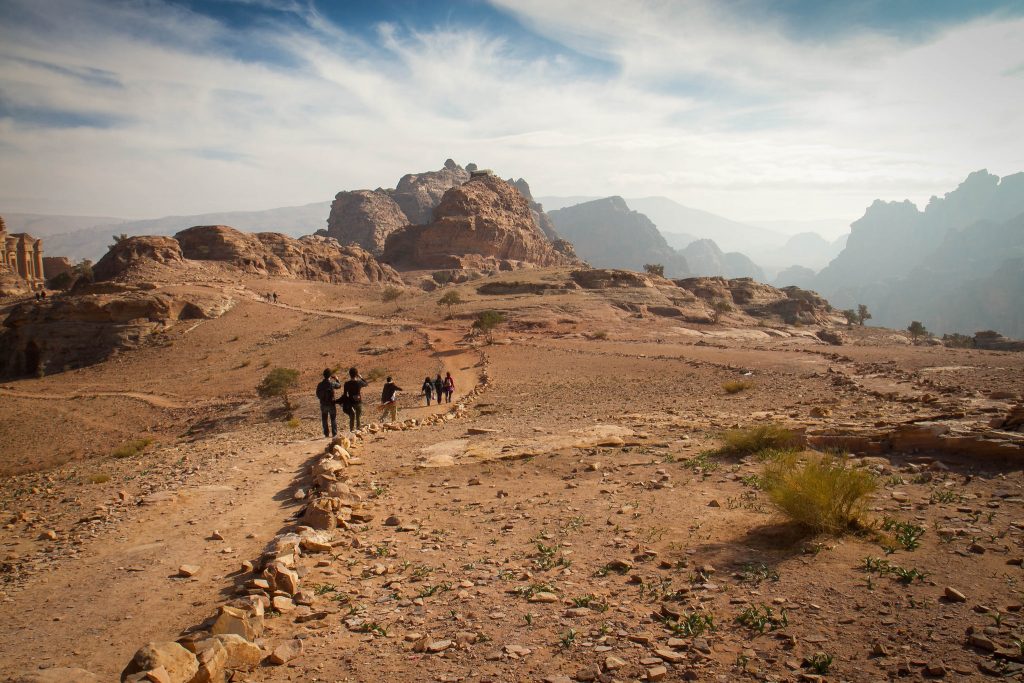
(449, 387)
(353, 399)
(389, 401)
(275, 297)
(438, 386)
(427, 389)
(328, 408)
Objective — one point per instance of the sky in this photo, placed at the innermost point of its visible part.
(757, 110)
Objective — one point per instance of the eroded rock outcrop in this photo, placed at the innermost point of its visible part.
(418, 193)
(791, 304)
(484, 221)
(365, 218)
(72, 331)
(269, 253)
(133, 252)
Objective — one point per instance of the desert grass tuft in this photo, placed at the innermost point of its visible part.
(821, 492)
(131, 448)
(755, 439)
(736, 386)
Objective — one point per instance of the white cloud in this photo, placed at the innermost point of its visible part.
(720, 112)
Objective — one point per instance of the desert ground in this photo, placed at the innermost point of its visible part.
(574, 519)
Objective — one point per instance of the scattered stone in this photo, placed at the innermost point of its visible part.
(188, 570)
(953, 595)
(285, 652)
(543, 596)
(613, 663)
(656, 673)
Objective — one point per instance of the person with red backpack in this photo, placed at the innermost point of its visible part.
(449, 387)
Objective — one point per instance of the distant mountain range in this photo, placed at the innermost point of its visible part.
(79, 237)
(679, 224)
(957, 266)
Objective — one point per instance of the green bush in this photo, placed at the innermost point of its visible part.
(278, 382)
(486, 321)
(390, 294)
(820, 492)
(756, 439)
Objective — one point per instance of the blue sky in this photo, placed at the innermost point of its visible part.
(757, 110)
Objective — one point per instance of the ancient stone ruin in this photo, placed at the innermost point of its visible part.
(21, 259)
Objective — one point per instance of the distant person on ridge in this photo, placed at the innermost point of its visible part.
(449, 387)
(353, 397)
(438, 386)
(328, 407)
(427, 389)
(389, 401)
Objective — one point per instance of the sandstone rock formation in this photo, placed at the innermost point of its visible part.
(366, 218)
(273, 254)
(56, 265)
(543, 220)
(133, 251)
(791, 304)
(418, 193)
(607, 234)
(486, 220)
(73, 331)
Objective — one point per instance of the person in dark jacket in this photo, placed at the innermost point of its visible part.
(328, 408)
(353, 399)
(389, 401)
(438, 386)
(427, 389)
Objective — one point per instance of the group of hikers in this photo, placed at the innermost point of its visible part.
(270, 297)
(351, 400)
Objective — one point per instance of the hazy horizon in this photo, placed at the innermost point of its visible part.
(759, 113)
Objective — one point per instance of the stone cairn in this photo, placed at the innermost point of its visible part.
(231, 640)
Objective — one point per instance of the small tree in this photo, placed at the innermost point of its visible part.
(451, 299)
(862, 314)
(916, 329)
(118, 239)
(487, 321)
(719, 308)
(654, 269)
(278, 382)
(851, 317)
(390, 294)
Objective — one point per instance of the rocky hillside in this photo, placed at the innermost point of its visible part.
(485, 221)
(936, 265)
(607, 234)
(705, 258)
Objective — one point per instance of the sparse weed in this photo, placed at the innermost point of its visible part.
(293, 423)
(820, 492)
(755, 439)
(819, 663)
(420, 572)
(529, 590)
(131, 448)
(736, 386)
(691, 623)
(99, 478)
(568, 639)
(762, 618)
(756, 572)
(372, 627)
(907, 534)
(322, 588)
(430, 591)
(702, 463)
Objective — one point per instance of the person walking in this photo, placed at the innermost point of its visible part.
(328, 407)
(438, 386)
(353, 397)
(427, 389)
(449, 387)
(389, 401)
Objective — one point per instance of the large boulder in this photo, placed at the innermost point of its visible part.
(133, 252)
(365, 218)
(180, 664)
(486, 220)
(790, 304)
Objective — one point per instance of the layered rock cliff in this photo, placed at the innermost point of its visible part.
(485, 221)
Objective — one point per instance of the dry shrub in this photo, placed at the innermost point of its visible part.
(821, 492)
(131, 448)
(294, 423)
(736, 386)
(755, 439)
(99, 478)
